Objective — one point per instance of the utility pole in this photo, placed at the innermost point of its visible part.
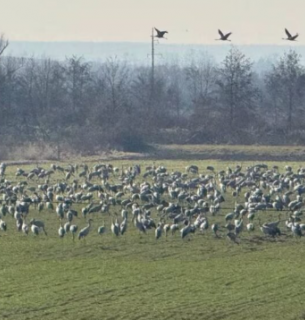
(153, 40)
(152, 62)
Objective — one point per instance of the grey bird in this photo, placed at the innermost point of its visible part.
(160, 34)
(224, 37)
(233, 237)
(85, 231)
(39, 224)
(290, 37)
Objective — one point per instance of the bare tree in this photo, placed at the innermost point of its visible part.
(86, 106)
(175, 92)
(116, 76)
(4, 43)
(201, 78)
(236, 90)
(285, 87)
(78, 82)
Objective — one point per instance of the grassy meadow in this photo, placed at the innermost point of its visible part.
(136, 277)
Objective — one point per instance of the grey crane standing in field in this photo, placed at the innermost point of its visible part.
(166, 229)
(269, 231)
(239, 227)
(39, 224)
(73, 230)
(295, 228)
(67, 226)
(19, 222)
(250, 227)
(123, 226)
(3, 225)
(85, 231)
(115, 228)
(158, 231)
(224, 37)
(35, 229)
(60, 210)
(174, 227)
(2, 169)
(215, 229)
(290, 37)
(101, 229)
(185, 231)
(139, 225)
(233, 237)
(61, 231)
(25, 227)
(273, 224)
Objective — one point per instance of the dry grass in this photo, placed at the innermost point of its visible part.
(161, 152)
(33, 152)
(234, 153)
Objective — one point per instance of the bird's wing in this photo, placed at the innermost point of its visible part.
(228, 35)
(221, 34)
(294, 37)
(288, 33)
(158, 31)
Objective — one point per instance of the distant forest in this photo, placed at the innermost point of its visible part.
(84, 107)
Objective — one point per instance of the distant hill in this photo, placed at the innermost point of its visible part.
(138, 53)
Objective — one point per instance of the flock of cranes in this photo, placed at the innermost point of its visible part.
(225, 37)
(158, 200)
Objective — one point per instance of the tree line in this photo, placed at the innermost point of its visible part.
(87, 107)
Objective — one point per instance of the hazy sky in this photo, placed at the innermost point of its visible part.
(188, 21)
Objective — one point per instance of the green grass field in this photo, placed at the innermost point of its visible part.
(137, 277)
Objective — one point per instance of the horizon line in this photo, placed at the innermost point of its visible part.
(149, 42)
